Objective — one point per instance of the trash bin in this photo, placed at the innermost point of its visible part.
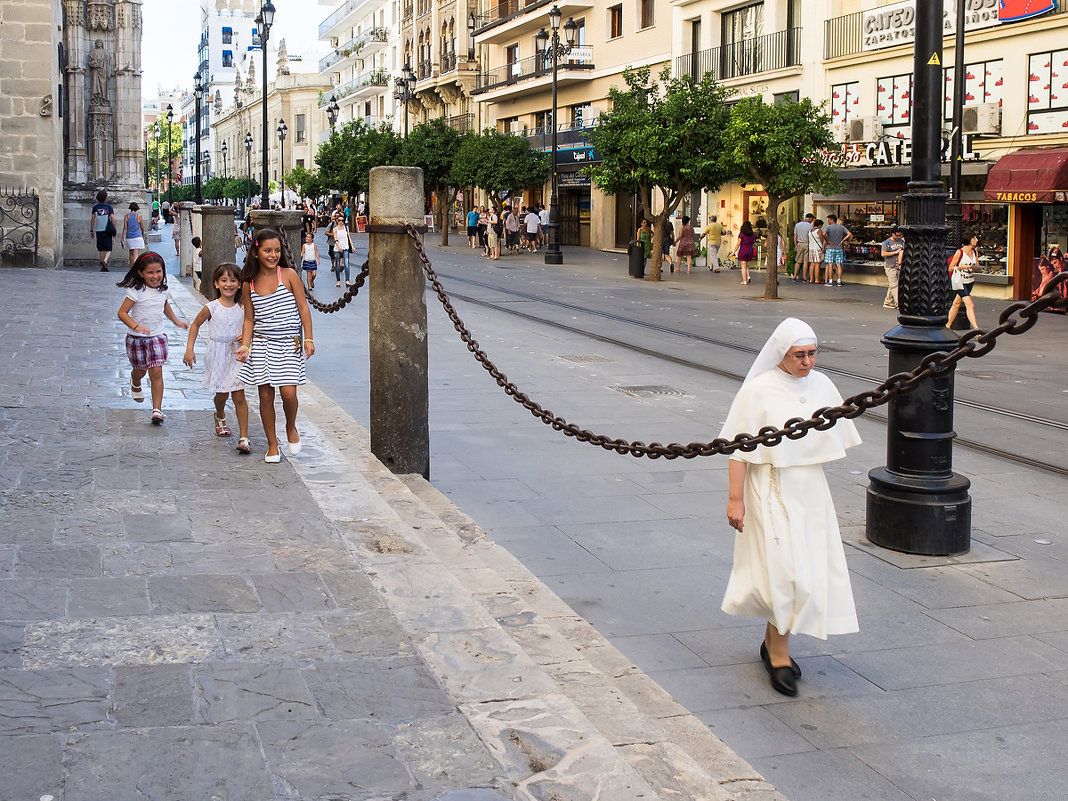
(636, 259)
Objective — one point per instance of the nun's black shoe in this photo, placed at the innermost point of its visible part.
(783, 680)
(767, 661)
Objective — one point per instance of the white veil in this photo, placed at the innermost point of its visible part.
(790, 333)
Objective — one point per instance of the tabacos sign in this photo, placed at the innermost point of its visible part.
(898, 152)
(895, 24)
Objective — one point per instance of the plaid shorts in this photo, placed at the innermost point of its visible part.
(834, 255)
(145, 352)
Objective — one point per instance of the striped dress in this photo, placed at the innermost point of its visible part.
(277, 353)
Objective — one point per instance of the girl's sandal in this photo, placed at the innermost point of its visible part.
(221, 429)
(136, 392)
(244, 445)
(157, 417)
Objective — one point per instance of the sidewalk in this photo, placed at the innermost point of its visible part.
(180, 621)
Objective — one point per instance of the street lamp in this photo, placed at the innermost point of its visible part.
(224, 149)
(282, 130)
(332, 111)
(916, 503)
(170, 181)
(198, 93)
(551, 47)
(264, 21)
(403, 91)
(159, 131)
(248, 155)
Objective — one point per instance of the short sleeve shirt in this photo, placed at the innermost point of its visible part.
(801, 232)
(533, 222)
(101, 213)
(148, 309)
(714, 232)
(895, 245)
(835, 234)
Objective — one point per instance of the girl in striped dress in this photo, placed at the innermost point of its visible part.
(276, 336)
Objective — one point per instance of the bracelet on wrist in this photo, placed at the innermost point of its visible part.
(246, 347)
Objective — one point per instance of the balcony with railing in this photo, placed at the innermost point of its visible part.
(461, 122)
(362, 44)
(502, 19)
(449, 62)
(366, 83)
(424, 70)
(568, 135)
(339, 16)
(747, 57)
(844, 35)
(529, 68)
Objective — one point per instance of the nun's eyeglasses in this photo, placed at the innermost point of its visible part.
(805, 354)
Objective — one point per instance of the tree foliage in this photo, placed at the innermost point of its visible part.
(156, 140)
(665, 134)
(346, 158)
(432, 146)
(498, 162)
(307, 182)
(788, 149)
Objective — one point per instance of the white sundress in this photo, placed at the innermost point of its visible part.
(223, 330)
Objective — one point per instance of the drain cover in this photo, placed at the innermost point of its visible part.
(586, 358)
(653, 391)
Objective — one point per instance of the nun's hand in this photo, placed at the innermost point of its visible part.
(736, 514)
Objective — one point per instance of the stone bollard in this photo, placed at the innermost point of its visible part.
(400, 394)
(217, 238)
(289, 221)
(183, 218)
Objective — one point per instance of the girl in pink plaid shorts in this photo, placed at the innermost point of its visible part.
(147, 301)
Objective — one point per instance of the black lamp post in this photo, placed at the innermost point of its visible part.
(223, 149)
(159, 132)
(282, 130)
(954, 211)
(550, 47)
(248, 155)
(403, 91)
(332, 111)
(916, 503)
(198, 93)
(170, 181)
(264, 21)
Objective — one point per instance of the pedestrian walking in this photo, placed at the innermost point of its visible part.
(816, 243)
(543, 218)
(133, 232)
(644, 235)
(891, 253)
(146, 303)
(801, 231)
(713, 236)
(342, 248)
(836, 236)
(472, 227)
(176, 230)
(276, 337)
(789, 563)
(667, 242)
(224, 318)
(687, 247)
(961, 279)
(309, 259)
(745, 251)
(307, 220)
(102, 228)
(533, 227)
(511, 230)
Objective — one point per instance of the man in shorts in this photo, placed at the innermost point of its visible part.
(532, 224)
(801, 232)
(836, 236)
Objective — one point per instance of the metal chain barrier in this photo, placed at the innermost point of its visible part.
(1015, 319)
(344, 300)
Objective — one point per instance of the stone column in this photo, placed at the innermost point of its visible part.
(288, 221)
(400, 394)
(217, 237)
(75, 55)
(128, 154)
(183, 218)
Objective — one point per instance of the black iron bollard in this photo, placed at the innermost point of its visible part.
(916, 503)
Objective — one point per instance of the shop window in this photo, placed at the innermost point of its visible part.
(615, 22)
(983, 83)
(1047, 95)
(894, 100)
(646, 17)
(845, 101)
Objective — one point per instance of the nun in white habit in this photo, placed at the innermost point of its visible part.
(789, 564)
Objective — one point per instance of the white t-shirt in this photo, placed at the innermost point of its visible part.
(543, 215)
(341, 237)
(148, 309)
(533, 222)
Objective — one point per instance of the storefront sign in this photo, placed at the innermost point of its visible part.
(572, 179)
(1015, 10)
(1022, 197)
(897, 152)
(578, 155)
(895, 24)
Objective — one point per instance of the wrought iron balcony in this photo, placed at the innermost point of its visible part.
(748, 57)
(461, 122)
(526, 69)
(568, 134)
(354, 46)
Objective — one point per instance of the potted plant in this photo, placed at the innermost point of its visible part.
(702, 256)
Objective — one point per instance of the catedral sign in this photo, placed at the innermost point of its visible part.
(895, 24)
(898, 152)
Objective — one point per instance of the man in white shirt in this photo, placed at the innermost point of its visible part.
(543, 216)
(801, 232)
(533, 227)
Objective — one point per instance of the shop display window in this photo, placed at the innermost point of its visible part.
(990, 222)
(870, 224)
(1054, 244)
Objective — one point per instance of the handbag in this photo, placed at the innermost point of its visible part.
(109, 229)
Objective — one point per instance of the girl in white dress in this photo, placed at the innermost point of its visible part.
(789, 563)
(224, 317)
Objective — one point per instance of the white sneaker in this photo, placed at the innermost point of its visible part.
(839, 282)
(829, 283)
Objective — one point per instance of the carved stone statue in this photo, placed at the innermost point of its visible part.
(99, 73)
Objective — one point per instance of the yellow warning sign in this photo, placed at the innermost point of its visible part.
(934, 61)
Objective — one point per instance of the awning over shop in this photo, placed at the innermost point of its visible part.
(1030, 175)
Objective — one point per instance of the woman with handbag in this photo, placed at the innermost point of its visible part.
(133, 232)
(102, 227)
(961, 280)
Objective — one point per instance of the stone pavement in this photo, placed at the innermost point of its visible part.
(180, 621)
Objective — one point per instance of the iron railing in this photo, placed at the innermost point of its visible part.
(747, 57)
(461, 122)
(19, 217)
(506, 10)
(353, 47)
(530, 67)
(568, 134)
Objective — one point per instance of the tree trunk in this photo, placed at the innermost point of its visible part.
(771, 250)
(444, 212)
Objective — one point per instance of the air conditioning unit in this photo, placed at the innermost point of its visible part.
(839, 132)
(865, 129)
(983, 118)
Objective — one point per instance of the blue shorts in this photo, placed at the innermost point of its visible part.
(834, 256)
(310, 266)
